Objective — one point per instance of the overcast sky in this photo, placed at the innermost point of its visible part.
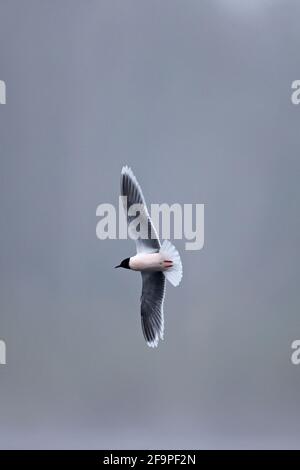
(195, 97)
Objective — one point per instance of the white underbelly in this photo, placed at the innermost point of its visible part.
(147, 262)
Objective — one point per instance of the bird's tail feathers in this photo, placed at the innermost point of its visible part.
(174, 273)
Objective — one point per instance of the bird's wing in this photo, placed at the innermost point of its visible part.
(148, 240)
(152, 299)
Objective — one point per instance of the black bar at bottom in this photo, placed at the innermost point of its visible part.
(134, 458)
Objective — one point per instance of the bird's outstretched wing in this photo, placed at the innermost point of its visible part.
(152, 299)
(148, 241)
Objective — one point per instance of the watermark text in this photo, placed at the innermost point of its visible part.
(181, 222)
(2, 92)
(2, 352)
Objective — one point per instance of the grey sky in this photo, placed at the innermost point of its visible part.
(195, 97)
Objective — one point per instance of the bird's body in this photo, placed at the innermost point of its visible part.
(149, 262)
(156, 262)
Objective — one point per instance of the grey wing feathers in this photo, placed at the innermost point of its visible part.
(153, 293)
(132, 190)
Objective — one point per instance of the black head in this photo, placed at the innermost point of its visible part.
(124, 264)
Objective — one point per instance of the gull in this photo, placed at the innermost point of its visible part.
(156, 262)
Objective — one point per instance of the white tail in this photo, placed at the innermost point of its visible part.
(173, 274)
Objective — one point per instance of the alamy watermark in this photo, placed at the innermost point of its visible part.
(295, 96)
(2, 92)
(295, 357)
(2, 352)
(187, 221)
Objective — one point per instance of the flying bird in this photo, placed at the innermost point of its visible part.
(156, 262)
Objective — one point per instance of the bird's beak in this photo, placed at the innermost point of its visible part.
(117, 266)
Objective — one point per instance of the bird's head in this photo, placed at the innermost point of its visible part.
(124, 264)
